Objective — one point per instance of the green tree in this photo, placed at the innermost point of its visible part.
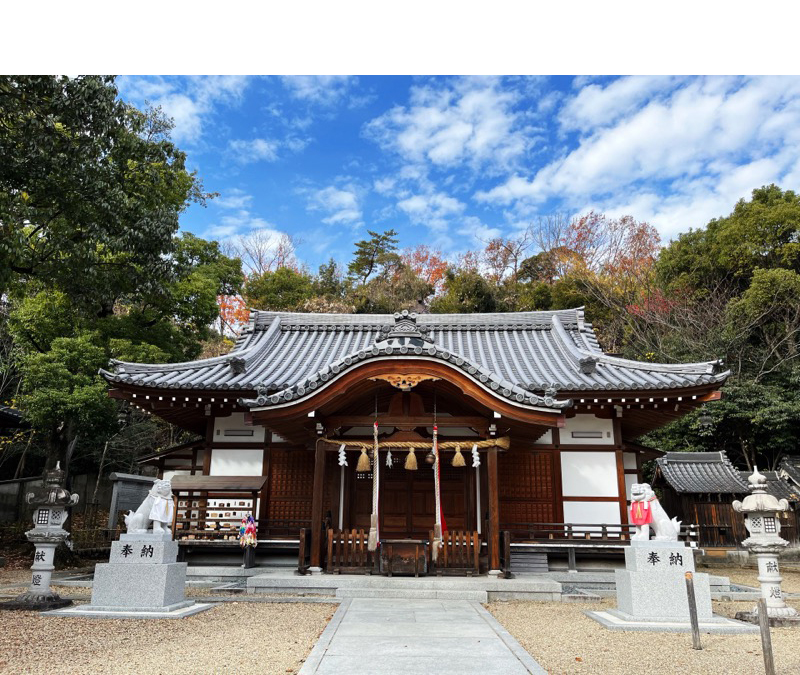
(763, 232)
(90, 189)
(284, 289)
(329, 281)
(374, 255)
(465, 292)
(90, 194)
(398, 289)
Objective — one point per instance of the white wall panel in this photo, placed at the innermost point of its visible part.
(237, 430)
(226, 462)
(592, 512)
(587, 430)
(630, 479)
(169, 473)
(629, 460)
(589, 474)
(545, 439)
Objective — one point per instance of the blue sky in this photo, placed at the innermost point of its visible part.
(453, 162)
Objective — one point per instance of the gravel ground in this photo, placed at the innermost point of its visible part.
(563, 640)
(230, 638)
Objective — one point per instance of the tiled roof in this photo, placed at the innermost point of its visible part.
(520, 356)
(701, 472)
(776, 485)
(11, 418)
(790, 469)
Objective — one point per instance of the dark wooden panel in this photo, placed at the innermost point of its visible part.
(527, 486)
(291, 484)
(219, 483)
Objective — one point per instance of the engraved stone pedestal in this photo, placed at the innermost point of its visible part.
(651, 592)
(141, 580)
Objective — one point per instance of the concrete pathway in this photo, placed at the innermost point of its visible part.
(373, 636)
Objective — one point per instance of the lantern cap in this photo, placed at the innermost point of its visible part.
(759, 500)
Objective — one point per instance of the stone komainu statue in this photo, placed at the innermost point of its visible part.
(647, 512)
(155, 511)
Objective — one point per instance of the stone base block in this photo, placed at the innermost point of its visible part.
(774, 621)
(615, 620)
(667, 556)
(36, 604)
(149, 537)
(91, 612)
(661, 596)
(144, 585)
(129, 552)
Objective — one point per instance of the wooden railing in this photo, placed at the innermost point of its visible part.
(304, 551)
(460, 553)
(227, 529)
(277, 528)
(584, 533)
(93, 540)
(505, 553)
(347, 552)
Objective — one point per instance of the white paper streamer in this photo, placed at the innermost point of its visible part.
(342, 456)
(389, 459)
(476, 458)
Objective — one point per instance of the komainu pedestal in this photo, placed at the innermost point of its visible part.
(652, 593)
(141, 575)
(142, 578)
(652, 587)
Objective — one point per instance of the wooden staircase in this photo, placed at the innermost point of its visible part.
(528, 561)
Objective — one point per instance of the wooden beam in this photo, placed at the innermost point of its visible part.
(388, 420)
(494, 511)
(316, 506)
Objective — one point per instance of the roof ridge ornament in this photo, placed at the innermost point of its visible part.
(238, 365)
(404, 333)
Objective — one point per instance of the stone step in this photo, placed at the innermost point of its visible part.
(412, 594)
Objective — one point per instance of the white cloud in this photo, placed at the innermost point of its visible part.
(238, 223)
(432, 210)
(477, 233)
(189, 101)
(233, 199)
(264, 149)
(468, 122)
(325, 90)
(672, 152)
(596, 105)
(341, 205)
(254, 150)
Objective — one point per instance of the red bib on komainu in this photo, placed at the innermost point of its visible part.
(641, 513)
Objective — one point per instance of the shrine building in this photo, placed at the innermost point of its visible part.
(491, 430)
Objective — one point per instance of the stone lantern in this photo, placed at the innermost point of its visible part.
(761, 520)
(50, 504)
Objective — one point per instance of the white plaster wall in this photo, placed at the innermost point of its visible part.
(589, 474)
(629, 460)
(587, 423)
(225, 462)
(592, 512)
(545, 439)
(236, 421)
(169, 473)
(630, 479)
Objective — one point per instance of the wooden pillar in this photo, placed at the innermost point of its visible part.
(494, 511)
(316, 507)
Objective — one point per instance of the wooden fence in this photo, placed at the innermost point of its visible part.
(584, 532)
(459, 554)
(347, 552)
